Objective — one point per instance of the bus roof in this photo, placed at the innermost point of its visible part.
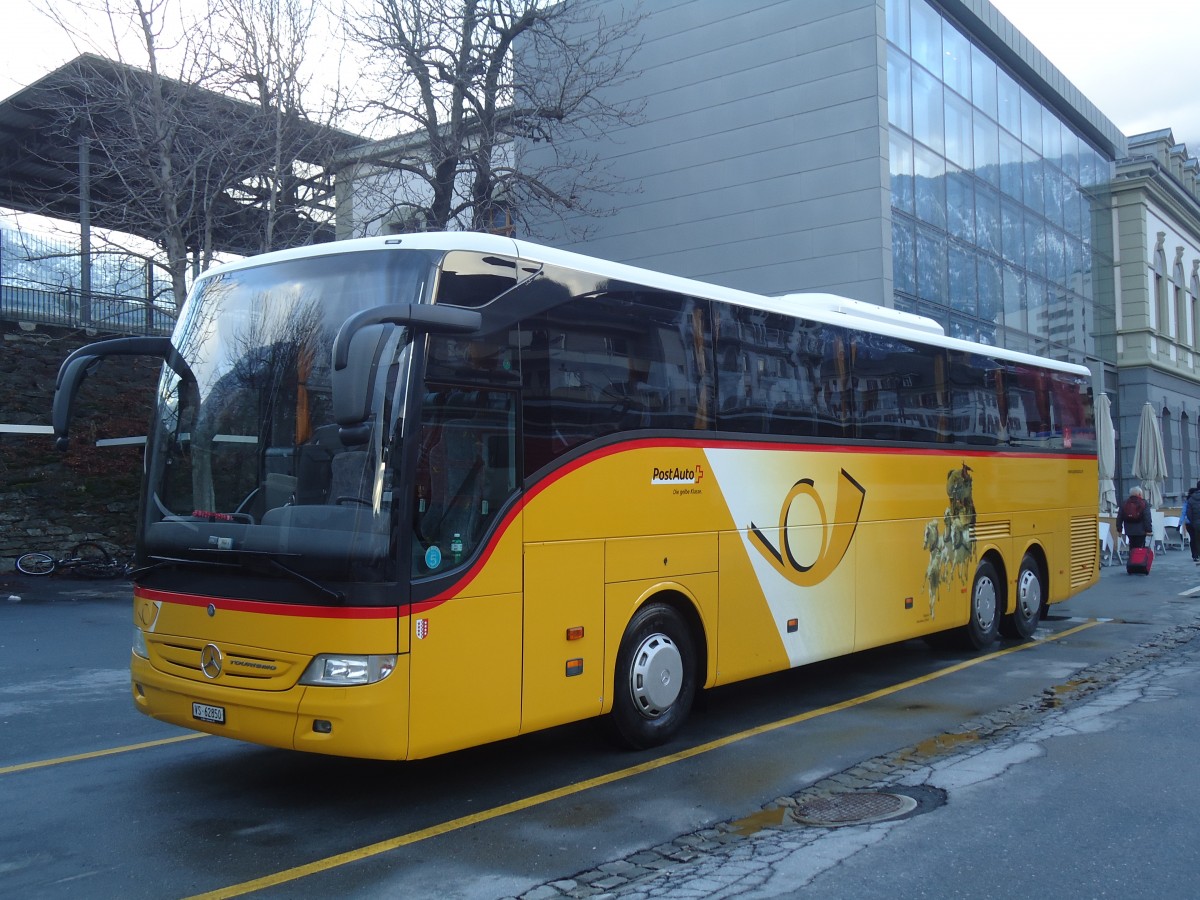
(822, 307)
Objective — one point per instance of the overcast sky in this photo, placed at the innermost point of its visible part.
(1134, 60)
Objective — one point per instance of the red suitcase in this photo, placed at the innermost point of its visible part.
(1140, 561)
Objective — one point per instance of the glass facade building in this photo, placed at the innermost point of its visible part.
(993, 192)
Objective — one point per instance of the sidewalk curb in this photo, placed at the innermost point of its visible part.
(893, 770)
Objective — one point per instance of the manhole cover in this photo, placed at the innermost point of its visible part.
(855, 808)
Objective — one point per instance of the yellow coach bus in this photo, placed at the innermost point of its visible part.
(410, 494)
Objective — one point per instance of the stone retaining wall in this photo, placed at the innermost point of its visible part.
(51, 500)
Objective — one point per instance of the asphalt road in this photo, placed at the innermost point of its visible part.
(101, 802)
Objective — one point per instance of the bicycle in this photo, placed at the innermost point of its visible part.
(87, 559)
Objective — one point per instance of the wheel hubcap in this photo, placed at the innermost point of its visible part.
(985, 603)
(656, 676)
(1029, 595)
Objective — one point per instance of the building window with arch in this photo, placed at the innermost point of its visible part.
(1185, 450)
(1195, 304)
(1168, 448)
(1161, 322)
(1181, 330)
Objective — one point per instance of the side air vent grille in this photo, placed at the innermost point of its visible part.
(1085, 550)
(991, 531)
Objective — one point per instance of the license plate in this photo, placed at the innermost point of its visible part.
(206, 713)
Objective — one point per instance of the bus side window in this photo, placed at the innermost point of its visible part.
(623, 360)
(466, 473)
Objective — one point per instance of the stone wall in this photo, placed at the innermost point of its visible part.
(51, 500)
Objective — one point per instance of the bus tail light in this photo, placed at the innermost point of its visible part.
(342, 670)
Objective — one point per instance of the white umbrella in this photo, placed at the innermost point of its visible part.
(1106, 456)
(1149, 461)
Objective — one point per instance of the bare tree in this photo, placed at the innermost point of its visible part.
(140, 153)
(175, 158)
(265, 54)
(466, 85)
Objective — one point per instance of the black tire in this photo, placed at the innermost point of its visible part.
(92, 561)
(655, 680)
(1031, 593)
(987, 605)
(35, 563)
(91, 552)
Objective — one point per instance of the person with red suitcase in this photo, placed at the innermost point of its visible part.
(1134, 519)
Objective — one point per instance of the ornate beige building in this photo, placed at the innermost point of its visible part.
(1155, 207)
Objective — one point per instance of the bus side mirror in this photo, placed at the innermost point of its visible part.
(80, 363)
(360, 344)
(70, 376)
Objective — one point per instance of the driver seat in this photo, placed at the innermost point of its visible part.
(350, 477)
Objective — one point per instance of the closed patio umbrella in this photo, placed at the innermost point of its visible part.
(1106, 456)
(1149, 461)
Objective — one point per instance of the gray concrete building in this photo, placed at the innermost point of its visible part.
(920, 154)
(904, 152)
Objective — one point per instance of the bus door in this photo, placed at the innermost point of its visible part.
(465, 626)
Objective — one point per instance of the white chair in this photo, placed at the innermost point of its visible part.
(1174, 533)
(1158, 520)
(1106, 544)
(1115, 543)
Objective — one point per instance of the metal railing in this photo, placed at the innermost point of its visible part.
(73, 309)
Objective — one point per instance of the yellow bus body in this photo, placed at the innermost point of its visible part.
(781, 555)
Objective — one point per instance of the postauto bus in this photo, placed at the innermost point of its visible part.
(410, 494)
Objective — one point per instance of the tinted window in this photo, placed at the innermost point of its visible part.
(900, 389)
(974, 395)
(1071, 403)
(466, 471)
(621, 360)
(780, 375)
(473, 279)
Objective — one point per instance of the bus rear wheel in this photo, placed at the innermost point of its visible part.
(987, 603)
(655, 681)
(1030, 597)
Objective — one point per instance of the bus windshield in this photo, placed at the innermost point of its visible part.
(246, 464)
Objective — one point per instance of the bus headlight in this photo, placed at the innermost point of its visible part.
(340, 670)
(139, 644)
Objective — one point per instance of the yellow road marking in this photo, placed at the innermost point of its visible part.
(414, 837)
(95, 754)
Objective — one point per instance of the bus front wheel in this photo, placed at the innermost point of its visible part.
(655, 680)
(987, 595)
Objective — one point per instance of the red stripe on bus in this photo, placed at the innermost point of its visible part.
(424, 606)
(272, 609)
(701, 444)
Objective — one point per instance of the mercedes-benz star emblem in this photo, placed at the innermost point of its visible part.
(210, 660)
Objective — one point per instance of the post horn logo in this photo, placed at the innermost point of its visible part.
(835, 538)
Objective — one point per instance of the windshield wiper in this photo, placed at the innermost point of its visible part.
(237, 562)
(336, 596)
